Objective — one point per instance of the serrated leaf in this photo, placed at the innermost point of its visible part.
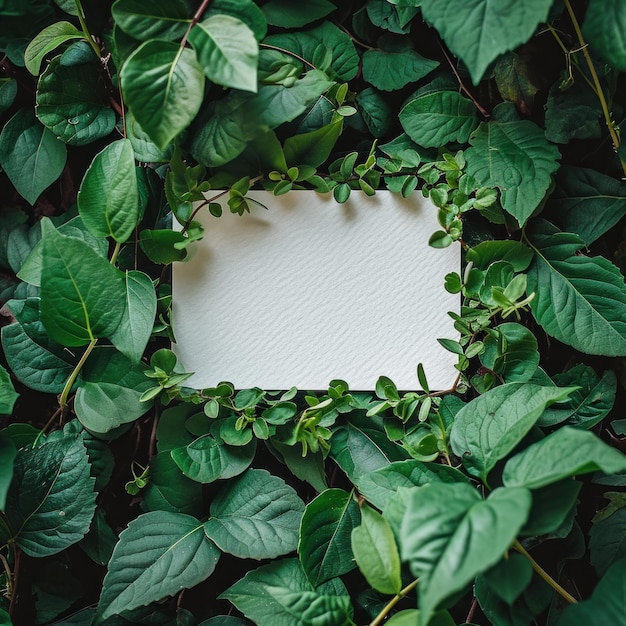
(163, 87)
(157, 555)
(583, 307)
(46, 41)
(435, 119)
(30, 155)
(566, 452)
(161, 19)
(256, 516)
(478, 31)
(324, 544)
(227, 51)
(514, 156)
(603, 28)
(486, 429)
(288, 14)
(52, 499)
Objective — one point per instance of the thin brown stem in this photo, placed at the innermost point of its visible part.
(380, 618)
(194, 20)
(353, 38)
(289, 52)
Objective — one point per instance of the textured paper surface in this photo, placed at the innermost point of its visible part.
(311, 290)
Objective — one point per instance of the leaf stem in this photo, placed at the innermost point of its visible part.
(116, 251)
(289, 53)
(194, 20)
(83, 26)
(543, 574)
(74, 375)
(389, 606)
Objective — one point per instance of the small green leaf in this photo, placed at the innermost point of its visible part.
(49, 39)
(324, 544)
(314, 147)
(288, 14)
(488, 252)
(161, 19)
(603, 28)
(8, 91)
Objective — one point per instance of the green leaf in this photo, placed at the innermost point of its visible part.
(488, 252)
(288, 14)
(52, 499)
(161, 19)
(376, 552)
(435, 119)
(552, 505)
(509, 577)
(108, 200)
(160, 245)
(8, 92)
(82, 294)
(73, 102)
(157, 555)
(245, 10)
(256, 516)
(49, 39)
(30, 155)
(163, 87)
(603, 28)
(55, 590)
(375, 111)
(309, 468)
(514, 156)
(8, 395)
(478, 31)
(379, 486)
(566, 452)
(486, 429)
(314, 147)
(324, 544)
(7, 457)
(517, 79)
(99, 542)
(583, 307)
(440, 536)
(227, 51)
(280, 594)
(607, 541)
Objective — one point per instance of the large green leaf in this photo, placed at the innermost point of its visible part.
(448, 534)
(280, 594)
(159, 19)
(157, 555)
(486, 429)
(46, 41)
(324, 544)
(82, 295)
(108, 200)
(227, 51)
(566, 452)
(514, 156)
(289, 14)
(604, 28)
(51, 500)
(163, 87)
(8, 395)
(583, 305)
(256, 516)
(478, 31)
(72, 101)
(435, 119)
(607, 541)
(31, 156)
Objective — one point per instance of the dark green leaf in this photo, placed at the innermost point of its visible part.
(55, 590)
(314, 147)
(161, 19)
(8, 451)
(607, 541)
(604, 30)
(509, 577)
(488, 252)
(160, 245)
(288, 14)
(375, 111)
(552, 505)
(8, 91)
(8, 395)
(99, 542)
(517, 79)
(46, 41)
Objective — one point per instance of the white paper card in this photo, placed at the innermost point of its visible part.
(311, 290)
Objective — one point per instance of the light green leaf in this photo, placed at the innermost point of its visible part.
(566, 452)
(376, 552)
(280, 594)
(488, 252)
(82, 294)
(163, 87)
(435, 119)
(486, 429)
(583, 307)
(478, 31)
(289, 14)
(143, 146)
(160, 19)
(108, 200)
(514, 156)
(8, 395)
(46, 41)
(604, 28)
(7, 457)
(314, 147)
(448, 534)
(30, 155)
(324, 544)
(157, 555)
(245, 10)
(51, 499)
(227, 51)
(256, 516)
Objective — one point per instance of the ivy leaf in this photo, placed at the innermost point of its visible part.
(82, 294)
(439, 536)
(280, 594)
(604, 28)
(256, 516)
(49, 39)
(30, 155)
(435, 119)
(324, 544)
(583, 307)
(51, 499)
(566, 452)
(161, 19)
(163, 87)
(514, 156)
(288, 14)
(157, 555)
(486, 429)
(227, 51)
(73, 103)
(478, 31)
